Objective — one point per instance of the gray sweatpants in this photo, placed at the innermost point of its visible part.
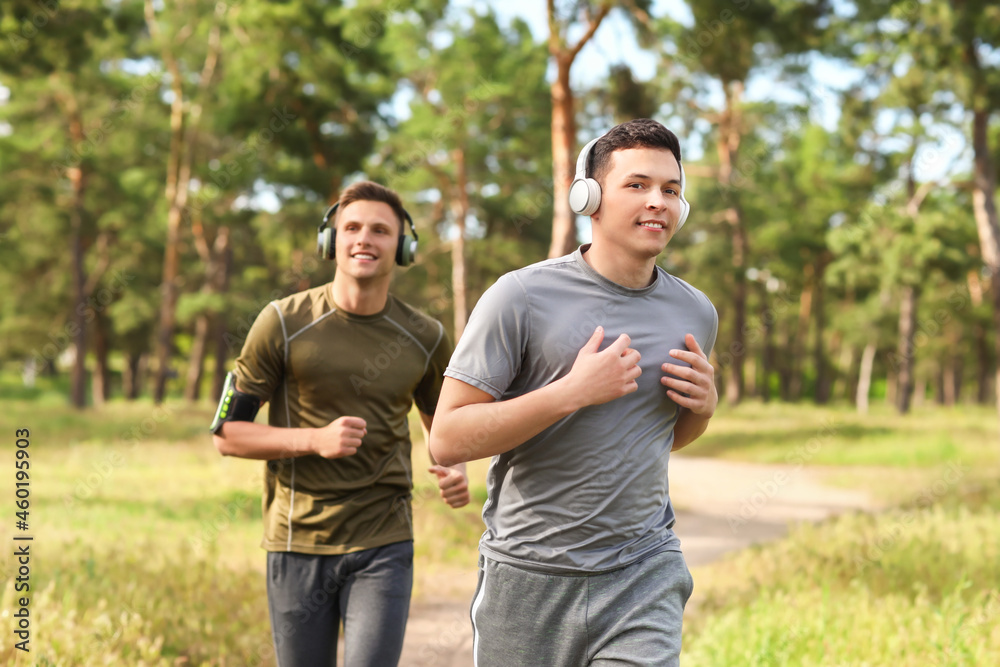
(629, 616)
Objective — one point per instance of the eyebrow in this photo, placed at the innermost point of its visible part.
(354, 221)
(649, 178)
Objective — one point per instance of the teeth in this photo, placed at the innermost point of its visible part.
(652, 225)
(362, 255)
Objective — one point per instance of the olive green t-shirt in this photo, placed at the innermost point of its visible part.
(315, 363)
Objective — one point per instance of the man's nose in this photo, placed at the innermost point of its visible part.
(656, 200)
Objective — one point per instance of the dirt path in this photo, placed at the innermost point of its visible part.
(721, 506)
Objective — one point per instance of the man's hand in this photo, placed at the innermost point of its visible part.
(454, 485)
(339, 438)
(599, 377)
(694, 387)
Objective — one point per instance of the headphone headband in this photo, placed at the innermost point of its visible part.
(581, 162)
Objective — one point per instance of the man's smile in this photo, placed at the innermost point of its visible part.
(653, 224)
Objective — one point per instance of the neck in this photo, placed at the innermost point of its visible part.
(625, 271)
(360, 298)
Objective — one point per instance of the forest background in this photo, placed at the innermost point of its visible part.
(164, 166)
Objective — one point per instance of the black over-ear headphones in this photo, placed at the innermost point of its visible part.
(406, 250)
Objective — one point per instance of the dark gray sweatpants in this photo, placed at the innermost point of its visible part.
(630, 616)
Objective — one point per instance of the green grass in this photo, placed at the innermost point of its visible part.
(146, 542)
(147, 549)
(918, 585)
(784, 433)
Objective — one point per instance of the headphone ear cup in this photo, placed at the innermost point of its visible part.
(585, 196)
(327, 243)
(685, 210)
(406, 250)
(685, 204)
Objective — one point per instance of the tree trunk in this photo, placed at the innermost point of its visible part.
(199, 348)
(952, 380)
(77, 330)
(984, 185)
(221, 349)
(563, 140)
(100, 382)
(727, 147)
(460, 209)
(210, 329)
(78, 184)
(801, 335)
(865, 376)
(735, 386)
(178, 180)
(905, 353)
(130, 376)
(767, 359)
(939, 397)
(183, 112)
(221, 356)
(142, 376)
(78, 392)
(784, 365)
(564, 127)
(984, 362)
(168, 303)
(984, 365)
(822, 392)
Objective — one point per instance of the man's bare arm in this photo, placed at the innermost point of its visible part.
(689, 427)
(453, 482)
(248, 440)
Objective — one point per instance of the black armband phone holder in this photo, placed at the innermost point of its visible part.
(234, 405)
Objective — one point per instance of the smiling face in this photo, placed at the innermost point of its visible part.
(640, 203)
(367, 235)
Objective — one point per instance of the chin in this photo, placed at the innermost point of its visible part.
(652, 250)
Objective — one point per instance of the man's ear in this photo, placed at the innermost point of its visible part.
(595, 217)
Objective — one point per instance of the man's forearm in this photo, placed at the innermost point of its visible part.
(248, 440)
(426, 423)
(480, 430)
(689, 427)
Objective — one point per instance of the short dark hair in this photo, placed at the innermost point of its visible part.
(638, 133)
(371, 191)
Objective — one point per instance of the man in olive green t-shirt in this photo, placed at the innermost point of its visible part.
(341, 365)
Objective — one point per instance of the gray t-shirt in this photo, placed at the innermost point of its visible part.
(590, 492)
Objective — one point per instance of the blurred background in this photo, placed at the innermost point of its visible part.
(164, 166)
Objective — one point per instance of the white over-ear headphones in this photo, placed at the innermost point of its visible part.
(585, 192)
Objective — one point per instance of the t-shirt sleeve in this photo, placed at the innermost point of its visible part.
(261, 365)
(429, 389)
(709, 344)
(489, 354)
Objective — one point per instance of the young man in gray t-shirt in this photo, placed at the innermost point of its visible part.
(579, 564)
